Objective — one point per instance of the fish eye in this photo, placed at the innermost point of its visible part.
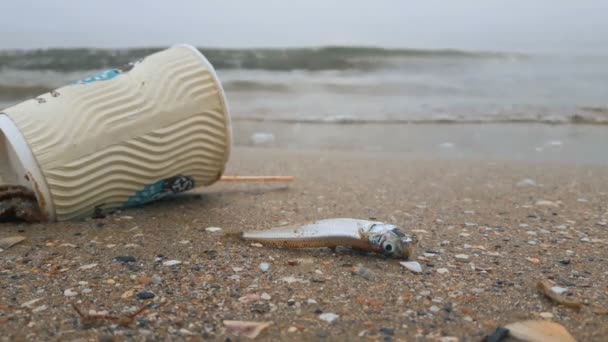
(388, 247)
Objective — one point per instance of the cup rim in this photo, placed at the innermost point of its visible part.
(29, 163)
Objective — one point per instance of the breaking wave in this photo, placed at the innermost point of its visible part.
(324, 58)
(358, 85)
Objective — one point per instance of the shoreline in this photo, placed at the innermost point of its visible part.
(579, 144)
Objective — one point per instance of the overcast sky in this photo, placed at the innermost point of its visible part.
(515, 25)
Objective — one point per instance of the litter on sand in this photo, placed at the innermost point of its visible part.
(547, 289)
(363, 235)
(531, 331)
(246, 329)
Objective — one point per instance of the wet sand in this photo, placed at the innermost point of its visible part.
(513, 236)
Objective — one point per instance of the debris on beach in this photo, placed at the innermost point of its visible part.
(264, 267)
(18, 203)
(531, 331)
(171, 262)
(329, 317)
(413, 266)
(555, 294)
(10, 241)
(245, 328)
(369, 236)
(103, 318)
(262, 138)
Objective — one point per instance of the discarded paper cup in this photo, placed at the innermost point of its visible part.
(121, 138)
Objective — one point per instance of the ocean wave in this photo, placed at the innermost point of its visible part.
(577, 118)
(323, 58)
(246, 86)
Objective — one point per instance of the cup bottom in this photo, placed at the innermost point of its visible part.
(18, 166)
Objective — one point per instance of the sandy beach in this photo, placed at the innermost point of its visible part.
(489, 231)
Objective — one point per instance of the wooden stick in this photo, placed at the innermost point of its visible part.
(257, 178)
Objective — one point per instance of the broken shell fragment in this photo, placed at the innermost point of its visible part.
(546, 289)
(245, 328)
(539, 331)
(9, 242)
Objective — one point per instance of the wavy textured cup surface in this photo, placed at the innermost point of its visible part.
(130, 136)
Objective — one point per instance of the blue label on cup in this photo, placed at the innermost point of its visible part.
(102, 76)
(160, 189)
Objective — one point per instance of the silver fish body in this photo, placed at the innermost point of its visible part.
(365, 235)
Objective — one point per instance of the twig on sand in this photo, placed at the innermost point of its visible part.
(88, 319)
(257, 178)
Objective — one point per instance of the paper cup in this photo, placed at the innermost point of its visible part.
(121, 138)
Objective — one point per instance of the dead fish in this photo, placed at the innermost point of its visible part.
(372, 236)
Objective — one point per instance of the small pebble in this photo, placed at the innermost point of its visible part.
(213, 229)
(265, 296)
(127, 294)
(260, 308)
(40, 308)
(249, 298)
(157, 279)
(125, 258)
(87, 267)
(69, 293)
(434, 309)
(461, 257)
(86, 290)
(145, 295)
(311, 301)
(292, 329)
(532, 242)
(328, 317)
(172, 262)
(546, 315)
(264, 267)
(535, 261)
(387, 331)
(442, 270)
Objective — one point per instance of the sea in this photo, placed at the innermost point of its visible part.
(366, 97)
